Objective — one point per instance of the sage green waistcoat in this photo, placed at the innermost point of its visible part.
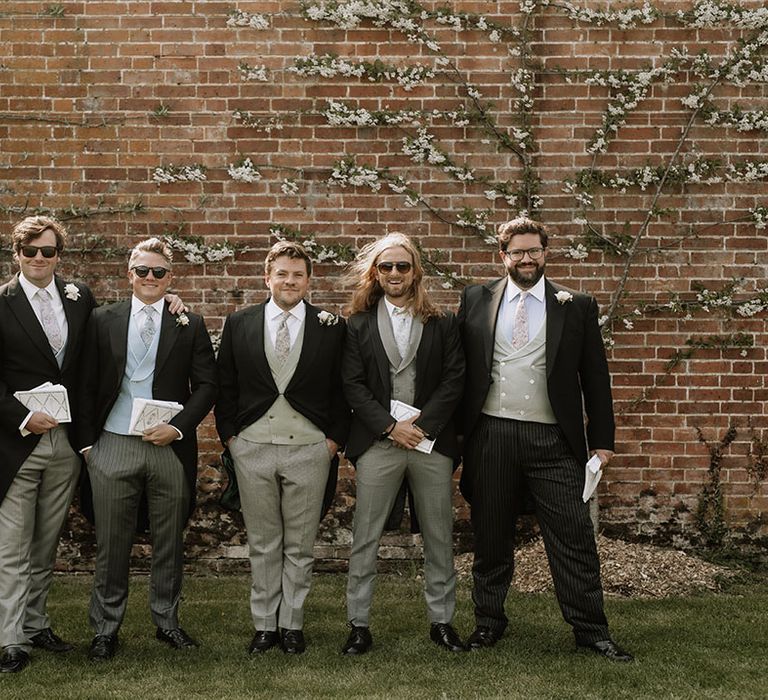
(282, 424)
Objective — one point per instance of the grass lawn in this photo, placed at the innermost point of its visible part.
(704, 646)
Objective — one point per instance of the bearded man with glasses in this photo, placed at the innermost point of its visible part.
(42, 324)
(536, 366)
(400, 347)
(136, 352)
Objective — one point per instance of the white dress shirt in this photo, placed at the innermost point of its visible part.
(272, 314)
(535, 305)
(30, 291)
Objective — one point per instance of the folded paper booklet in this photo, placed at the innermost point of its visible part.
(47, 398)
(403, 411)
(147, 413)
(593, 471)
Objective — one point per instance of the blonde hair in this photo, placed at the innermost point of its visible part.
(368, 291)
(152, 245)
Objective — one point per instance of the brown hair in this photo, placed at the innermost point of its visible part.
(27, 230)
(152, 245)
(288, 249)
(368, 291)
(519, 226)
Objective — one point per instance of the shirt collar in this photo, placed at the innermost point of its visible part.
(392, 309)
(537, 291)
(273, 310)
(137, 305)
(31, 289)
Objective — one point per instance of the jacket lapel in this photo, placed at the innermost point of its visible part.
(382, 361)
(120, 315)
(254, 332)
(555, 322)
(310, 342)
(22, 309)
(424, 351)
(494, 294)
(169, 331)
(75, 323)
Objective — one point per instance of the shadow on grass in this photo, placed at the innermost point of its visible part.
(702, 646)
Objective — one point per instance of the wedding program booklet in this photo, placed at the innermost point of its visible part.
(147, 413)
(403, 411)
(48, 398)
(593, 472)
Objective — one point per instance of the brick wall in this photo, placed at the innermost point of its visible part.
(94, 96)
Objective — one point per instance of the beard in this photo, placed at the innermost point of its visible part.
(527, 277)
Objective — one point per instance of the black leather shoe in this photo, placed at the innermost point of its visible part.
(610, 650)
(177, 638)
(262, 641)
(50, 641)
(442, 634)
(483, 638)
(292, 641)
(358, 642)
(103, 647)
(13, 660)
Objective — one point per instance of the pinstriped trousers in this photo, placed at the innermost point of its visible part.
(121, 468)
(506, 456)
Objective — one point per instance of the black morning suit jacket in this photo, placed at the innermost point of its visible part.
(248, 389)
(367, 386)
(185, 372)
(26, 361)
(576, 366)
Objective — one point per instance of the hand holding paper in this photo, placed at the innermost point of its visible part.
(593, 472)
(147, 413)
(402, 411)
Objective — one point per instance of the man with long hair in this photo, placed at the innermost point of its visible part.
(535, 367)
(401, 348)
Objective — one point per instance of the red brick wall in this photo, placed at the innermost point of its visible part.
(95, 95)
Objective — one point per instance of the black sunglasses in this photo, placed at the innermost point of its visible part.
(143, 271)
(387, 267)
(48, 251)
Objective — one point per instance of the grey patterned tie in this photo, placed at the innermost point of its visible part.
(520, 334)
(48, 320)
(283, 338)
(400, 330)
(148, 329)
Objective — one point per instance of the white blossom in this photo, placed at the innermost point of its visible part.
(244, 171)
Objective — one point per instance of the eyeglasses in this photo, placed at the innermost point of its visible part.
(48, 251)
(143, 271)
(387, 267)
(515, 255)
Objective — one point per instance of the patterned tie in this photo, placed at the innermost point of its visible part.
(148, 329)
(48, 320)
(520, 334)
(283, 338)
(400, 330)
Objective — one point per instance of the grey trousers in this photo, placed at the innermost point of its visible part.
(379, 473)
(121, 468)
(281, 494)
(31, 517)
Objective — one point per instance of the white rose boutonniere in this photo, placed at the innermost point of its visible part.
(564, 297)
(326, 318)
(182, 319)
(71, 291)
